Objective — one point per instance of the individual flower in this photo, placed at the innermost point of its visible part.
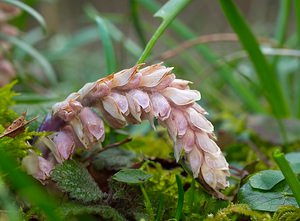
(37, 166)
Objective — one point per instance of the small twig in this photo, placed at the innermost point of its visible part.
(239, 172)
(225, 37)
(128, 139)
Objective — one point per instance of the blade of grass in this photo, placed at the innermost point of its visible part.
(105, 39)
(268, 78)
(29, 10)
(297, 14)
(134, 13)
(148, 203)
(159, 213)
(80, 38)
(49, 72)
(168, 12)
(89, 35)
(280, 31)
(33, 98)
(288, 173)
(225, 72)
(180, 198)
(282, 21)
(118, 36)
(192, 196)
(30, 37)
(26, 186)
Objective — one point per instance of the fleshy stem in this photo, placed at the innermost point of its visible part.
(288, 173)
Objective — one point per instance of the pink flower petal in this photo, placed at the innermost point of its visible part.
(64, 142)
(79, 132)
(181, 97)
(180, 84)
(111, 107)
(148, 70)
(199, 121)
(37, 166)
(122, 78)
(134, 82)
(164, 82)
(216, 162)
(221, 175)
(150, 117)
(209, 175)
(134, 107)
(141, 98)
(121, 101)
(195, 159)
(206, 144)
(178, 147)
(152, 77)
(161, 107)
(67, 109)
(172, 128)
(100, 90)
(45, 166)
(199, 109)
(85, 90)
(188, 140)
(180, 121)
(113, 122)
(93, 125)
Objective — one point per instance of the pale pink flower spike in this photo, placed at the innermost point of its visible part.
(133, 95)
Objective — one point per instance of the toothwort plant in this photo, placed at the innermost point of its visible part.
(129, 97)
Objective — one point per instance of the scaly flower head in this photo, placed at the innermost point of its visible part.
(131, 96)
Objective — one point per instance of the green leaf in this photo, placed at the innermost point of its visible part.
(49, 72)
(293, 157)
(106, 212)
(114, 159)
(29, 10)
(266, 179)
(105, 39)
(270, 200)
(268, 78)
(294, 160)
(131, 176)
(73, 178)
(168, 12)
